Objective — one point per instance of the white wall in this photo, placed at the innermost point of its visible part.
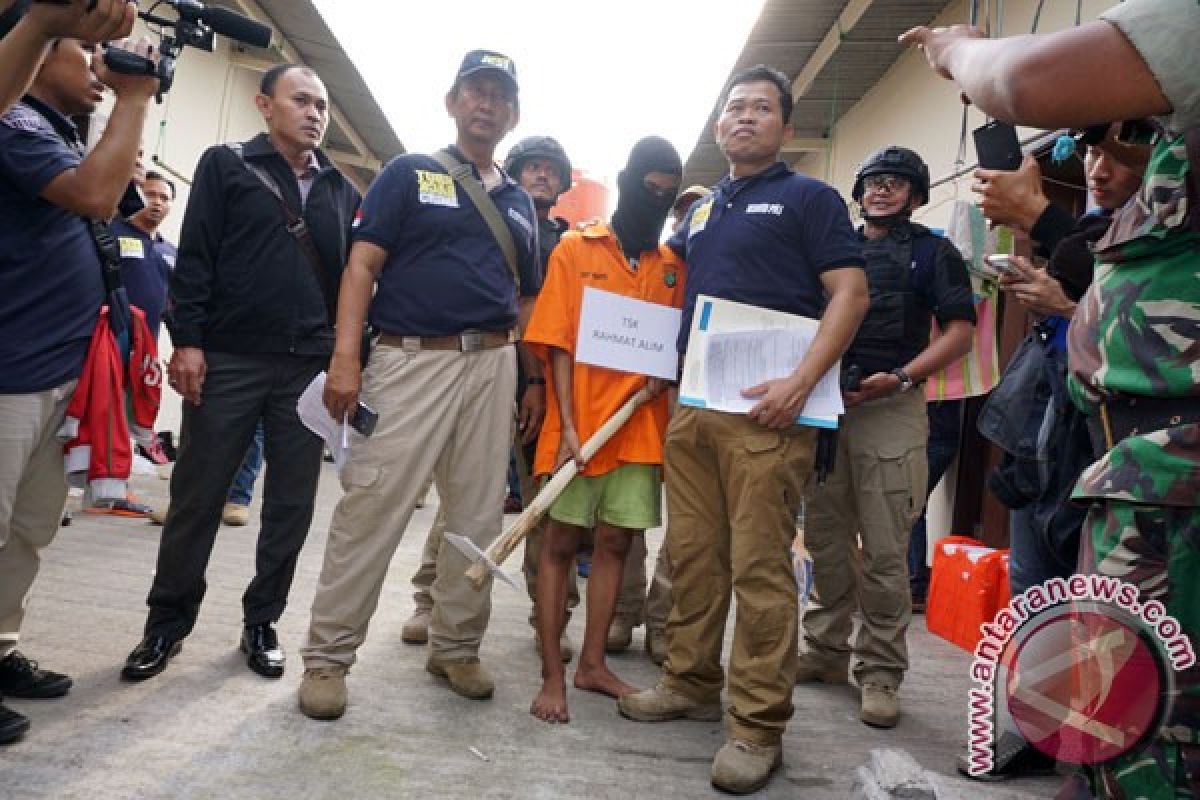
(911, 106)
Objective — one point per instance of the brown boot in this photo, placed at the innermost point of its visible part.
(810, 669)
(466, 676)
(880, 709)
(741, 767)
(620, 635)
(416, 629)
(323, 692)
(661, 704)
(656, 645)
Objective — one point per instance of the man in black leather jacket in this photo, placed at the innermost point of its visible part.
(250, 313)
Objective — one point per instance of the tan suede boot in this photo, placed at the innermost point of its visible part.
(660, 704)
(323, 692)
(741, 767)
(466, 676)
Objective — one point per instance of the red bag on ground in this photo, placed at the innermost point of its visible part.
(968, 585)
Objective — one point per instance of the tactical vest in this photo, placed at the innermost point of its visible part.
(896, 327)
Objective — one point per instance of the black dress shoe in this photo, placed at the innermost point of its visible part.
(20, 677)
(150, 657)
(263, 653)
(12, 725)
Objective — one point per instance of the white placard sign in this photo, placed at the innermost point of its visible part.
(629, 335)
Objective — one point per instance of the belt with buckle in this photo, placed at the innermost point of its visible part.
(465, 342)
(1123, 416)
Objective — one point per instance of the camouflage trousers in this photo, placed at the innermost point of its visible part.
(1157, 549)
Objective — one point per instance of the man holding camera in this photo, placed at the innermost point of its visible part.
(877, 486)
(264, 239)
(430, 262)
(49, 190)
(30, 35)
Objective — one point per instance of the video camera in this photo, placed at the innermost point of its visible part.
(196, 25)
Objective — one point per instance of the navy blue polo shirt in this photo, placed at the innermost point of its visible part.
(444, 273)
(51, 283)
(764, 240)
(146, 264)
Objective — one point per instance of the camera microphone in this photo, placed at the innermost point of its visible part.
(223, 21)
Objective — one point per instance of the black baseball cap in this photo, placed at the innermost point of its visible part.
(478, 61)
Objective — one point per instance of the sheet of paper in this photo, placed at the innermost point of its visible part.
(317, 419)
(629, 335)
(737, 361)
(772, 345)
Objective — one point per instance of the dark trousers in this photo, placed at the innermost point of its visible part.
(239, 390)
(945, 429)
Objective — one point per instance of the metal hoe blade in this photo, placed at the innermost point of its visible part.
(474, 555)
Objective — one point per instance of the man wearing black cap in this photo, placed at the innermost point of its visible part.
(431, 246)
(541, 166)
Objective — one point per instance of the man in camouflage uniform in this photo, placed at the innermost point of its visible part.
(1134, 344)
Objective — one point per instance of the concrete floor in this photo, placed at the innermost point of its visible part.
(209, 728)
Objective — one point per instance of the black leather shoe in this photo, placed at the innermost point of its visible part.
(263, 653)
(150, 657)
(20, 677)
(12, 725)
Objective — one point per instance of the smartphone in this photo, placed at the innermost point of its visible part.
(996, 146)
(364, 419)
(1001, 262)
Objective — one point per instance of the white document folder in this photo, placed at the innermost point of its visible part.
(733, 346)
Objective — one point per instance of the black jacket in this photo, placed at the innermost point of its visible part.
(241, 282)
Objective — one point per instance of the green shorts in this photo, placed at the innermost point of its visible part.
(628, 497)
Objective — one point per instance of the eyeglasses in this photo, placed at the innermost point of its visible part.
(479, 94)
(892, 183)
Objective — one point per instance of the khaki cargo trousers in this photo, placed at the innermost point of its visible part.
(33, 491)
(873, 496)
(440, 412)
(733, 493)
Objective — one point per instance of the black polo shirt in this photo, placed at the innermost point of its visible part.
(444, 273)
(146, 263)
(51, 283)
(764, 240)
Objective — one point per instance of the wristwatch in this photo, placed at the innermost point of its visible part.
(906, 382)
(535, 381)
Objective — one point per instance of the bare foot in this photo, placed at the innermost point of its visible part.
(601, 679)
(551, 703)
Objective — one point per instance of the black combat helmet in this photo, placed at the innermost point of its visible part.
(895, 160)
(538, 147)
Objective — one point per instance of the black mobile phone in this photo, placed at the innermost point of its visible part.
(996, 146)
(364, 418)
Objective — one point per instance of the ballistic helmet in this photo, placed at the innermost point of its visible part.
(895, 160)
(538, 147)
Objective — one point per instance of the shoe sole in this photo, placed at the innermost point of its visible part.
(47, 692)
(753, 787)
(879, 722)
(135, 677)
(438, 671)
(706, 713)
(113, 512)
(323, 716)
(14, 732)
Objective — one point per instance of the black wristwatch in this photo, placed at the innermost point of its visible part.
(906, 382)
(536, 381)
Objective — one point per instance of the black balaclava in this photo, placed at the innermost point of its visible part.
(640, 215)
